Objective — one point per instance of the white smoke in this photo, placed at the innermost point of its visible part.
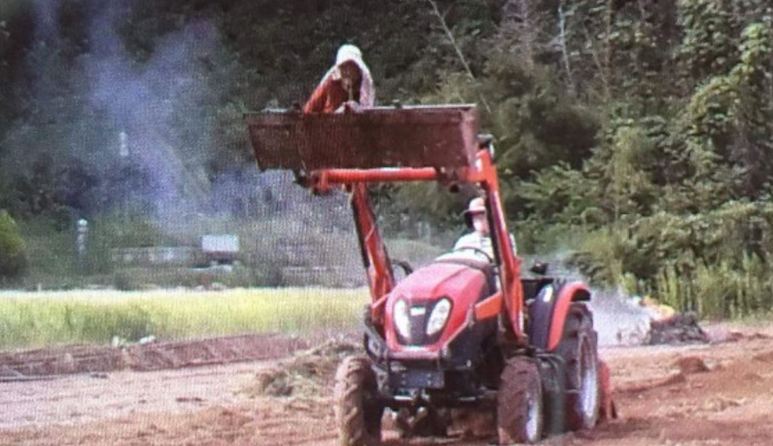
(46, 13)
(617, 320)
(148, 102)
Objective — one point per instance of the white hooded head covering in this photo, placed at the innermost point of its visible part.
(350, 53)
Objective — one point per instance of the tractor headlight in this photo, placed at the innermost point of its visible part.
(402, 319)
(439, 316)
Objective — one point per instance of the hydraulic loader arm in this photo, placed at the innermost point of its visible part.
(374, 253)
(387, 144)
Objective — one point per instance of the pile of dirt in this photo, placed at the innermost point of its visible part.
(689, 365)
(679, 329)
(210, 351)
(308, 373)
(144, 357)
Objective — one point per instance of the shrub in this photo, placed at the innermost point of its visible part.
(13, 257)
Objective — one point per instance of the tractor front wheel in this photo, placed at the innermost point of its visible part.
(579, 350)
(357, 409)
(519, 402)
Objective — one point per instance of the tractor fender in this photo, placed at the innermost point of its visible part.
(547, 313)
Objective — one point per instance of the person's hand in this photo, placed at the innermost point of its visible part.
(352, 106)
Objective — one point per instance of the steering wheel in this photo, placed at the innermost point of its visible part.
(406, 267)
(477, 251)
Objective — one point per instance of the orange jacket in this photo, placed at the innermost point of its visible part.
(327, 97)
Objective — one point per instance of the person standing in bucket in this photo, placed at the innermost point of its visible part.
(348, 85)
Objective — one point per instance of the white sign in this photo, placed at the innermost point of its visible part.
(224, 243)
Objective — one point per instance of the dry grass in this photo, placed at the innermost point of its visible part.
(307, 374)
(74, 317)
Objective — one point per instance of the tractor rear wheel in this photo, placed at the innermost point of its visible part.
(357, 409)
(519, 402)
(578, 347)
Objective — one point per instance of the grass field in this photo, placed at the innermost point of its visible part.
(95, 317)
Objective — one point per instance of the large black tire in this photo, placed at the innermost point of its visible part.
(519, 402)
(357, 409)
(578, 347)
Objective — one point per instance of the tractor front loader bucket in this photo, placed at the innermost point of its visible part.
(415, 136)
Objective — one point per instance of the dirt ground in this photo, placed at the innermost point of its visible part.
(47, 362)
(687, 395)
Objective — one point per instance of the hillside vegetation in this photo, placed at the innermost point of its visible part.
(634, 137)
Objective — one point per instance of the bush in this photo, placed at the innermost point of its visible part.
(124, 282)
(13, 256)
(719, 290)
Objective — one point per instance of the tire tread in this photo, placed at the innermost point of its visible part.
(353, 378)
(519, 377)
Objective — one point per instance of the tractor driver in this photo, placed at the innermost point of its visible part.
(480, 237)
(348, 85)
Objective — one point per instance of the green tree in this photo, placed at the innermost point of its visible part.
(13, 257)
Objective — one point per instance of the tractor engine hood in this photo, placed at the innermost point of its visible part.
(429, 306)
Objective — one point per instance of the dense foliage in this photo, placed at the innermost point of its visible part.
(636, 135)
(13, 256)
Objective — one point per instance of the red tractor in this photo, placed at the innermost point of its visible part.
(466, 332)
